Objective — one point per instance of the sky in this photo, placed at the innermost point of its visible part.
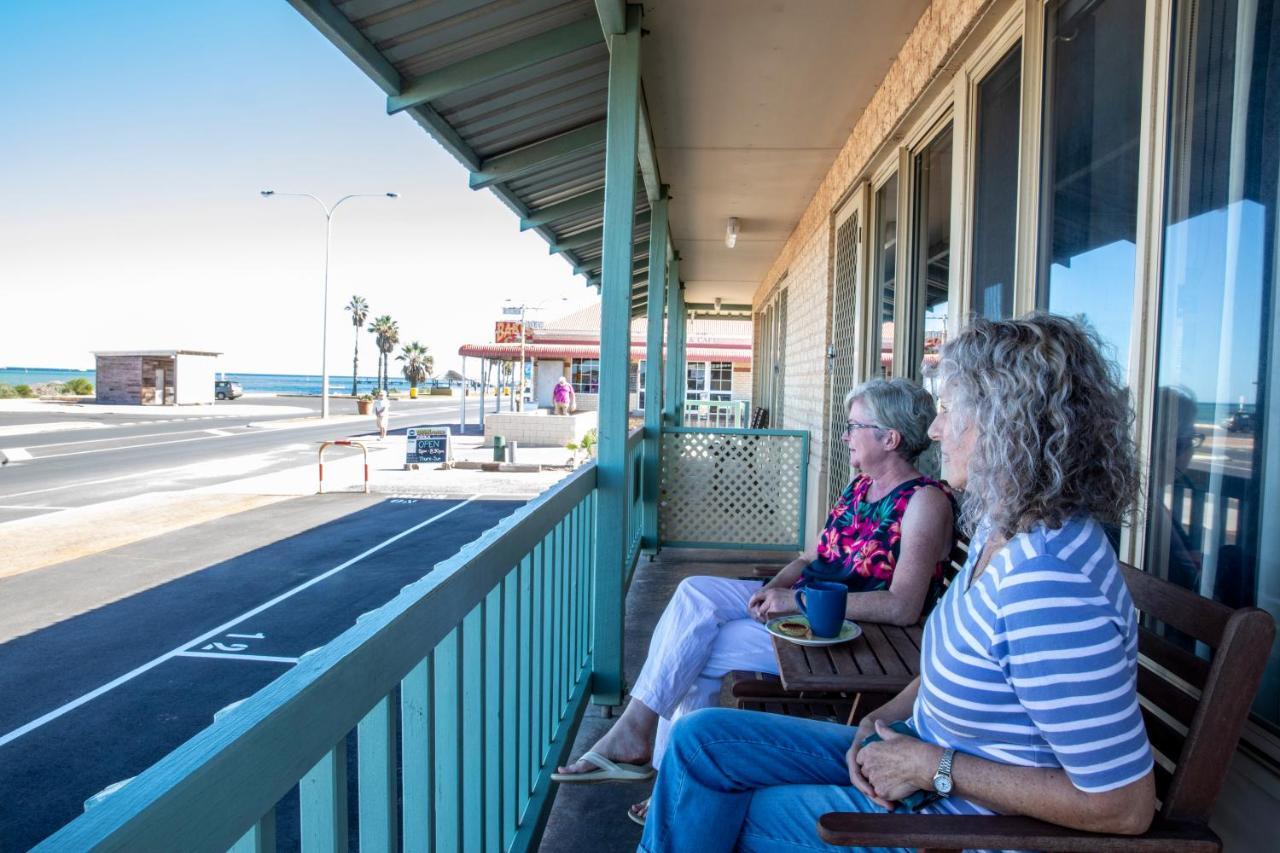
(136, 137)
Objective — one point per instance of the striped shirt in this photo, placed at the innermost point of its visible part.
(1036, 664)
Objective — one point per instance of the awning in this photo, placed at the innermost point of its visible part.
(511, 352)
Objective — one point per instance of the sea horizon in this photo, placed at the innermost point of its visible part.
(250, 383)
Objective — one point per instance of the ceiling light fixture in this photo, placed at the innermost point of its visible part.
(731, 233)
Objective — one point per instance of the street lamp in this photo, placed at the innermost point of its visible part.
(324, 326)
(523, 308)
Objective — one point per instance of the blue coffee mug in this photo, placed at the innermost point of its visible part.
(822, 603)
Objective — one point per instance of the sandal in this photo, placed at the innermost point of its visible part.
(636, 818)
(610, 771)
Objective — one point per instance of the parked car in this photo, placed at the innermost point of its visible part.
(225, 389)
(1241, 422)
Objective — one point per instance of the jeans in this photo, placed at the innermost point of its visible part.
(744, 780)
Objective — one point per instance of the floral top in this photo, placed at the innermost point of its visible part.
(860, 544)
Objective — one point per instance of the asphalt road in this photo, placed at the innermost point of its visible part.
(99, 697)
(129, 454)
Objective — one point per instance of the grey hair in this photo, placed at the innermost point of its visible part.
(1053, 419)
(902, 406)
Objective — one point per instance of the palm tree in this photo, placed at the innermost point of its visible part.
(418, 363)
(387, 333)
(359, 309)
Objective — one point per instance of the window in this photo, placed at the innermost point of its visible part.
(696, 380)
(584, 375)
(1213, 513)
(721, 380)
(637, 382)
(770, 356)
(1089, 179)
(931, 250)
(995, 197)
(886, 268)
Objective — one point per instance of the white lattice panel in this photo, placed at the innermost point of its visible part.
(731, 489)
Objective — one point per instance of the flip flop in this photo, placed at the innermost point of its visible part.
(635, 818)
(610, 771)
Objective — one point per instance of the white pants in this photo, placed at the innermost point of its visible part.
(705, 631)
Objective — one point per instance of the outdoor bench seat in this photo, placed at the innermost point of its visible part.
(1194, 710)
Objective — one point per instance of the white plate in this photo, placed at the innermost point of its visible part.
(848, 631)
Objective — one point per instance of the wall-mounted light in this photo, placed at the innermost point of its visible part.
(731, 233)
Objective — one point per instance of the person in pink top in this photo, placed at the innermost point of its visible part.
(563, 397)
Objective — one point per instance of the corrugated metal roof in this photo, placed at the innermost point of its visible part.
(551, 79)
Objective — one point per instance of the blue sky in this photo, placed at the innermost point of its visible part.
(135, 139)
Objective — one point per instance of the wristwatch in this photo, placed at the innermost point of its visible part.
(942, 779)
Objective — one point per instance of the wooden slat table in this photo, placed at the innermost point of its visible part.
(884, 659)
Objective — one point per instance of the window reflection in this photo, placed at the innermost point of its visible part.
(1207, 516)
(931, 249)
(886, 267)
(995, 204)
(1093, 98)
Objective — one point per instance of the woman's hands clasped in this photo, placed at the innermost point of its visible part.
(768, 602)
(891, 768)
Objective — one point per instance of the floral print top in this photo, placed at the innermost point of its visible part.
(859, 546)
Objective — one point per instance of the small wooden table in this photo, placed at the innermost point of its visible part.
(884, 659)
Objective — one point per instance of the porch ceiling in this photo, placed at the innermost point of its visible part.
(747, 104)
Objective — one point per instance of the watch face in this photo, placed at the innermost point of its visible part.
(942, 784)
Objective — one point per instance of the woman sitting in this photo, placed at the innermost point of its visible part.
(888, 537)
(1027, 697)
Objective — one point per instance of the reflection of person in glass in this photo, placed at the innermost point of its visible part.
(1175, 439)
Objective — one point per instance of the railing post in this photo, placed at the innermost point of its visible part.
(615, 356)
(653, 372)
(673, 394)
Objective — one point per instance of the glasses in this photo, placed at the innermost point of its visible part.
(1194, 439)
(853, 426)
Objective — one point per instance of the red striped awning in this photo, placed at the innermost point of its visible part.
(511, 352)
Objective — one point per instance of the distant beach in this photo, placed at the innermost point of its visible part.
(251, 383)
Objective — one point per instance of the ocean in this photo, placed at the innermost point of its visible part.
(251, 383)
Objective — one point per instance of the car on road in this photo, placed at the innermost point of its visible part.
(225, 389)
(1241, 422)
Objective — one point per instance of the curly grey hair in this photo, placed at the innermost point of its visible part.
(1053, 419)
(902, 406)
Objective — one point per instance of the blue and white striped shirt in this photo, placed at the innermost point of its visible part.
(1036, 664)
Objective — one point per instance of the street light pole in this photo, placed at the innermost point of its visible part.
(324, 319)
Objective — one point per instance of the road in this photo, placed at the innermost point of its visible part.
(86, 457)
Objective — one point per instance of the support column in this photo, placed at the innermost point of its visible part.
(673, 404)
(622, 126)
(462, 420)
(653, 372)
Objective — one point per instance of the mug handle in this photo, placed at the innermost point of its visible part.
(800, 603)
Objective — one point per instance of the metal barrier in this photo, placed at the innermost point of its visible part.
(345, 443)
(475, 676)
(733, 488)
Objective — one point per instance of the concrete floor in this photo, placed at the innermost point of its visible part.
(594, 817)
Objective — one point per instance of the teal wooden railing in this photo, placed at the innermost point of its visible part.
(635, 502)
(480, 671)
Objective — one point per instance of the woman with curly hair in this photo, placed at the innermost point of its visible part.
(1026, 701)
(888, 538)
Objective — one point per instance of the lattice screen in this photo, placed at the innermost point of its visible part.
(732, 488)
(844, 368)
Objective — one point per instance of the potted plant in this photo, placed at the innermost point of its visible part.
(584, 447)
(418, 363)
(364, 404)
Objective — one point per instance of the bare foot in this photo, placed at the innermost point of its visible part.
(640, 810)
(621, 743)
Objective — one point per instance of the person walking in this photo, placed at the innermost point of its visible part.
(563, 397)
(381, 412)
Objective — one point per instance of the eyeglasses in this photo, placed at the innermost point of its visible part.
(853, 426)
(1195, 439)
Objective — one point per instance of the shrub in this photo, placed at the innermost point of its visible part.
(79, 386)
(7, 392)
(24, 390)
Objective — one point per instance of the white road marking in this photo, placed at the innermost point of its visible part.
(185, 648)
(234, 656)
(218, 432)
(118, 438)
(201, 437)
(23, 506)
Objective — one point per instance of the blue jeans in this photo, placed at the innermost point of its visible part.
(743, 780)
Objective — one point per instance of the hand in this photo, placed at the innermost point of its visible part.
(865, 728)
(767, 603)
(897, 764)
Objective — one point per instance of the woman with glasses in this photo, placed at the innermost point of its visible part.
(888, 538)
(1026, 701)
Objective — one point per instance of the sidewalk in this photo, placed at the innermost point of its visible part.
(89, 407)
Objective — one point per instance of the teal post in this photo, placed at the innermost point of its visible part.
(653, 373)
(615, 356)
(673, 394)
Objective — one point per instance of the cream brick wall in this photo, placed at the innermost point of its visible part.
(805, 259)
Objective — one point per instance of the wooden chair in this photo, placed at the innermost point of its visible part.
(1194, 712)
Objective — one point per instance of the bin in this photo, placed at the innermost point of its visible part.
(499, 449)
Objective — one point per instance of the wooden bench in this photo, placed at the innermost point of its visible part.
(849, 681)
(1194, 711)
